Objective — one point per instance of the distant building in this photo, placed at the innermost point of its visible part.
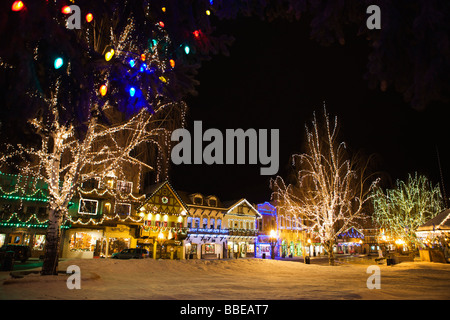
(436, 231)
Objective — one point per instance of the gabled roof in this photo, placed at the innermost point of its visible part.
(440, 222)
(241, 201)
(151, 190)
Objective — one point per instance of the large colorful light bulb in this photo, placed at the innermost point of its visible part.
(58, 63)
(17, 6)
(66, 10)
(109, 55)
(103, 90)
(132, 91)
(89, 17)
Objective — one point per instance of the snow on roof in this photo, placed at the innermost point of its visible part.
(440, 222)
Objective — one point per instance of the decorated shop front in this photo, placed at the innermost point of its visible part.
(203, 243)
(162, 231)
(241, 246)
(350, 241)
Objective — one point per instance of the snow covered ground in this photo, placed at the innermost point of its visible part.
(245, 279)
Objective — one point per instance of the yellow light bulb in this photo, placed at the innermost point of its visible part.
(109, 55)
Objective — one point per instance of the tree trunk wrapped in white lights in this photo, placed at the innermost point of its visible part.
(330, 188)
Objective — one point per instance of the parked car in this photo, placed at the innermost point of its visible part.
(21, 252)
(134, 253)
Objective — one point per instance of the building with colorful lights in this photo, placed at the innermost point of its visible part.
(218, 230)
(23, 212)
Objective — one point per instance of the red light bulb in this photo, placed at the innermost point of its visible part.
(89, 17)
(17, 6)
(66, 10)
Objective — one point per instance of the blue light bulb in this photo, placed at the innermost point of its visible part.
(132, 91)
(58, 63)
(187, 49)
(132, 63)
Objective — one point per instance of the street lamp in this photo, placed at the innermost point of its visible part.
(273, 238)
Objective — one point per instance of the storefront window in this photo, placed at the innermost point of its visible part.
(250, 248)
(193, 248)
(210, 248)
(18, 238)
(2, 239)
(39, 242)
(82, 241)
(118, 244)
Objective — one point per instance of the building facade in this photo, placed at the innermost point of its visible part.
(218, 230)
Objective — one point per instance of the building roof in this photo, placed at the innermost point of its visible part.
(440, 222)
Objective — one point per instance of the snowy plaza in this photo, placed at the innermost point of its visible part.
(242, 279)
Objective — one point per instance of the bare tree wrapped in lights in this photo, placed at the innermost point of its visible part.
(109, 105)
(401, 210)
(330, 189)
(64, 162)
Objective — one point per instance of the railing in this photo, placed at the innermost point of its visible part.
(208, 230)
(243, 232)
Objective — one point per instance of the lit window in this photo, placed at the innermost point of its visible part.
(87, 206)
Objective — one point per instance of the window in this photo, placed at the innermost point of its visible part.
(213, 202)
(90, 184)
(205, 223)
(31, 209)
(196, 222)
(123, 209)
(189, 222)
(219, 223)
(124, 186)
(87, 206)
(39, 242)
(210, 248)
(211, 223)
(107, 208)
(198, 200)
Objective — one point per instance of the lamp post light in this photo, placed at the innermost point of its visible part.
(273, 239)
(161, 240)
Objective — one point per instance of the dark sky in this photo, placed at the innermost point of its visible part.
(275, 77)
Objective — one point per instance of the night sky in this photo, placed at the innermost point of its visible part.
(275, 77)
